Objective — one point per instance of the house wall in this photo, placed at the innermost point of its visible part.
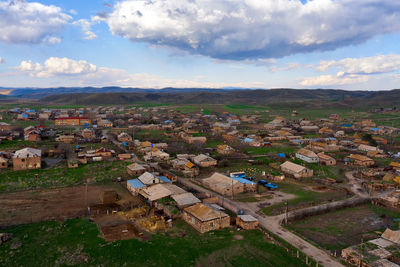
(246, 225)
(26, 163)
(307, 159)
(206, 164)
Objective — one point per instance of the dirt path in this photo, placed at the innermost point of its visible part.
(355, 185)
(272, 224)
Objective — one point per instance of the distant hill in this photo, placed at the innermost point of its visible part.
(37, 93)
(296, 97)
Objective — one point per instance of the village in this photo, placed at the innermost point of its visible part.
(135, 171)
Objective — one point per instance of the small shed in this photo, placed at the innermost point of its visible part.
(246, 222)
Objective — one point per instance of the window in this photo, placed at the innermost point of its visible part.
(211, 224)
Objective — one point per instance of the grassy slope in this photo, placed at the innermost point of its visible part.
(60, 176)
(77, 242)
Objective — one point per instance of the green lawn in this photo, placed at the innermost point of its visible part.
(61, 176)
(269, 150)
(304, 197)
(77, 242)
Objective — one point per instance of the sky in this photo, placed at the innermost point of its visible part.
(341, 44)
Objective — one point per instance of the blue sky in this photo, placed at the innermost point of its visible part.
(347, 44)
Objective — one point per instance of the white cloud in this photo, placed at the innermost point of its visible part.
(53, 40)
(69, 72)
(57, 66)
(29, 22)
(330, 80)
(86, 27)
(287, 67)
(251, 29)
(365, 65)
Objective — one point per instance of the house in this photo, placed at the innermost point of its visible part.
(72, 121)
(395, 165)
(3, 163)
(307, 156)
(367, 148)
(225, 150)
(88, 133)
(27, 158)
(105, 123)
(185, 200)
(379, 252)
(150, 179)
(205, 219)
(223, 185)
(204, 161)
(246, 222)
(360, 160)
(160, 191)
(5, 126)
(72, 164)
(68, 139)
(124, 137)
(325, 159)
(295, 170)
(31, 134)
(134, 186)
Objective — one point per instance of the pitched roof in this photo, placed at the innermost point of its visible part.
(292, 166)
(307, 153)
(27, 152)
(185, 199)
(204, 213)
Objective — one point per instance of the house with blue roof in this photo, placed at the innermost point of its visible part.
(134, 186)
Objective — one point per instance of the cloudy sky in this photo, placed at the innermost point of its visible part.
(348, 44)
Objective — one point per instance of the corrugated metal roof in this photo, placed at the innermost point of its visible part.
(136, 183)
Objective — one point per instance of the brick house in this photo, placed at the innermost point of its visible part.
(72, 121)
(27, 158)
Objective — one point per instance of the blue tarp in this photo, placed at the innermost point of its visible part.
(281, 155)
(248, 140)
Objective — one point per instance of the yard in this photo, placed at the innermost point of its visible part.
(78, 242)
(306, 196)
(343, 228)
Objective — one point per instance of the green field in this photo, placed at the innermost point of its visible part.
(342, 228)
(77, 242)
(304, 197)
(61, 176)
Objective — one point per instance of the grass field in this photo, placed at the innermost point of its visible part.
(77, 242)
(270, 150)
(304, 197)
(60, 176)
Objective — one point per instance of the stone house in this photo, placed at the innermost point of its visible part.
(307, 156)
(326, 160)
(223, 185)
(246, 222)
(27, 158)
(295, 170)
(205, 219)
(360, 160)
(204, 161)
